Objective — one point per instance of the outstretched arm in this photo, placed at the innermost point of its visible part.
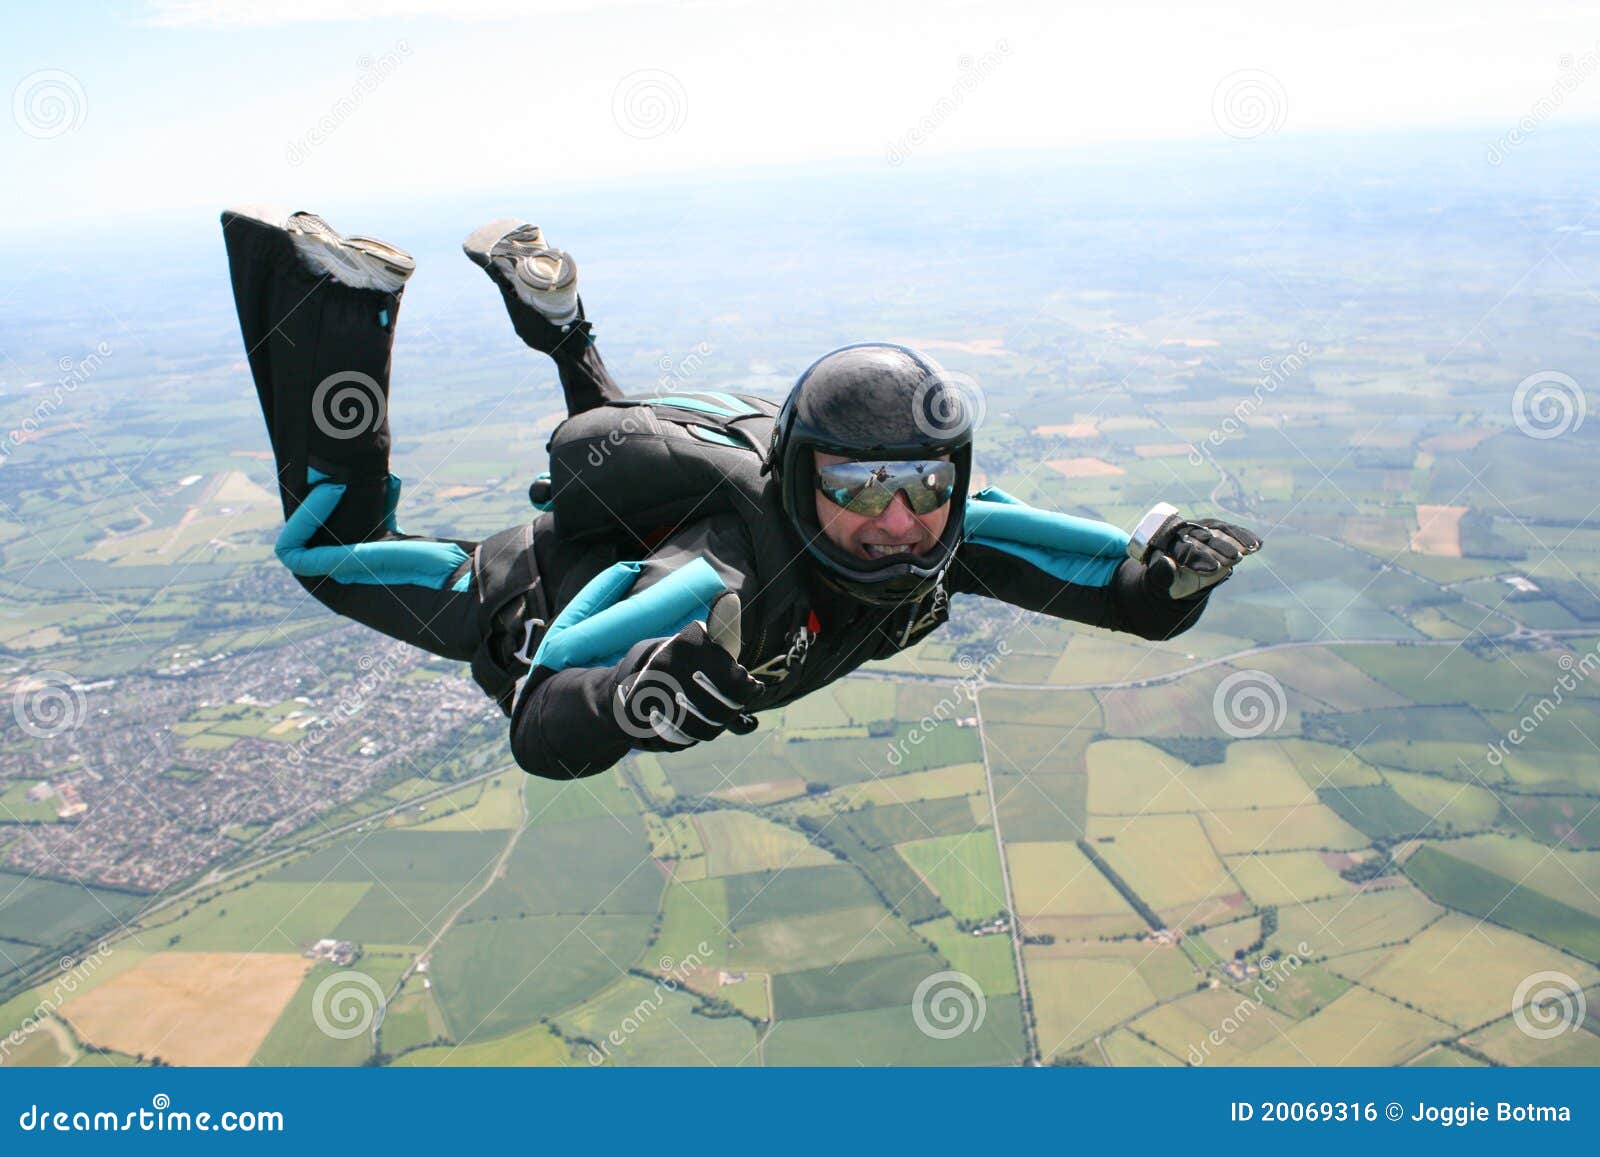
(1079, 569)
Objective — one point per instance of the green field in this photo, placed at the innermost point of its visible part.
(890, 1036)
(495, 977)
(880, 982)
(964, 871)
(1479, 892)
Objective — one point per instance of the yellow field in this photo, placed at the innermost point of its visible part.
(1287, 877)
(190, 1008)
(1125, 1050)
(1069, 430)
(1272, 829)
(1084, 467)
(1323, 765)
(1181, 1027)
(532, 1046)
(1165, 859)
(1508, 1044)
(1360, 1028)
(1448, 801)
(1056, 879)
(774, 791)
(499, 808)
(1438, 530)
(1076, 999)
(738, 842)
(1129, 776)
(1328, 678)
(1465, 972)
(1364, 920)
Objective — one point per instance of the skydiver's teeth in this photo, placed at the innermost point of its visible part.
(877, 550)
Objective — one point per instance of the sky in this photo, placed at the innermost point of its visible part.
(169, 105)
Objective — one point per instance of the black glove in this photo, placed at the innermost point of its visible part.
(1191, 557)
(687, 689)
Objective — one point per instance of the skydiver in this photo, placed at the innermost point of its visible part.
(698, 557)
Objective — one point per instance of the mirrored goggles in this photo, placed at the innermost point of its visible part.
(869, 487)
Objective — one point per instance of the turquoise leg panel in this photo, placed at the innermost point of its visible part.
(415, 562)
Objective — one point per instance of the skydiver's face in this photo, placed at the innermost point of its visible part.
(899, 529)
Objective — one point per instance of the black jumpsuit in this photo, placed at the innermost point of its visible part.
(319, 352)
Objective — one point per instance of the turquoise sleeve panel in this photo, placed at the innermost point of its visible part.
(601, 623)
(1075, 550)
(414, 562)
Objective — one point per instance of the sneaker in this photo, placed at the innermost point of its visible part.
(357, 261)
(516, 254)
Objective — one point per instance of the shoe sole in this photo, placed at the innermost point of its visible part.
(534, 266)
(358, 261)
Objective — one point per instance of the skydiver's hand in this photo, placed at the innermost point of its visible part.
(1191, 557)
(688, 689)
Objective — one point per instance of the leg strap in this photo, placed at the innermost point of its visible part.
(512, 612)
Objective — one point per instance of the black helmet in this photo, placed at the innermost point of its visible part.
(874, 400)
